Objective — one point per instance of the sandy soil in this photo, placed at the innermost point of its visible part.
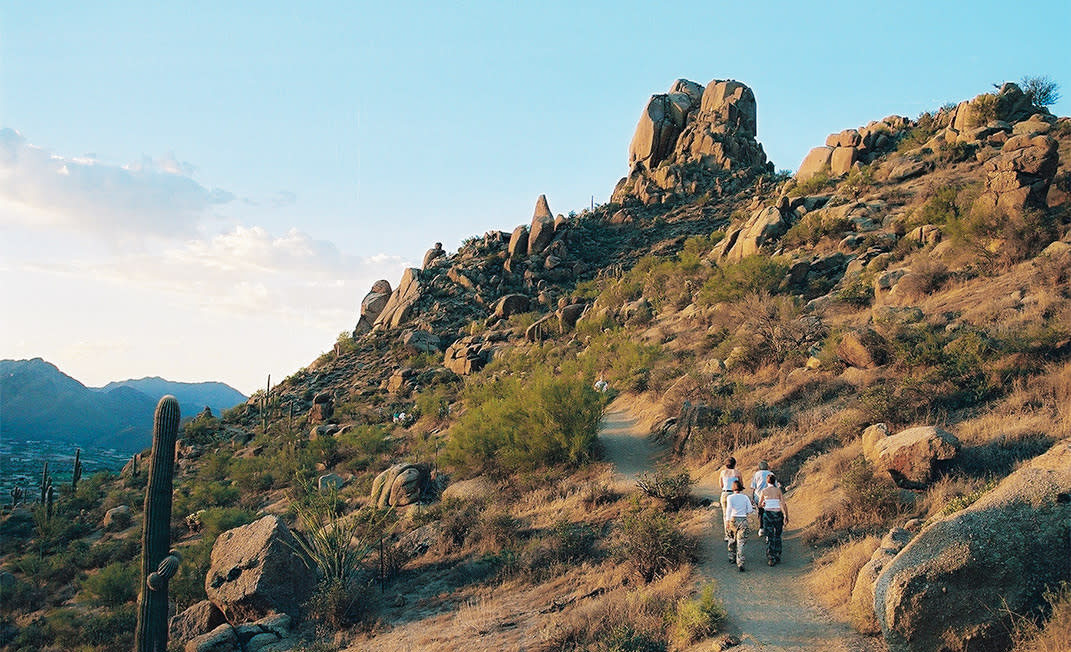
(769, 608)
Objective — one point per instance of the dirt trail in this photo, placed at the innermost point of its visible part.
(769, 608)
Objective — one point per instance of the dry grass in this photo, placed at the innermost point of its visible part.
(1054, 635)
(834, 573)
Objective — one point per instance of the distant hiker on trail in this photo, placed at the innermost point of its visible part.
(774, 518)
(737, 508)
(758, 483)
(729, 473)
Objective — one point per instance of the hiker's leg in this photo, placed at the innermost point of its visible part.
(741, 539)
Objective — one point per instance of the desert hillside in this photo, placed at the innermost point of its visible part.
(518, 445)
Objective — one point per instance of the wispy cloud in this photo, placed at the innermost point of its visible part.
(149, 197)
(246, 271)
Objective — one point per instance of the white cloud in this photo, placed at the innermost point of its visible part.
(150, 197)
(246, 271)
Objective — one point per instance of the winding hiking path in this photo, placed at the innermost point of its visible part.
(769, 608)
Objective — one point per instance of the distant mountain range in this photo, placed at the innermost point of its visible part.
(38, 401)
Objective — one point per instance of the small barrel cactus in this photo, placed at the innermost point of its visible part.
(158, 564)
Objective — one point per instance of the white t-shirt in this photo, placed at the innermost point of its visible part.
(738, 504)
(758, 481)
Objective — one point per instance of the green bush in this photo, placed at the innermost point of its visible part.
(868, 492)
(114, 585)
(734, 281)
(814, 226)
(701, 617)
(652, 543)
(514, 424)
(815, 184)
(675, 489)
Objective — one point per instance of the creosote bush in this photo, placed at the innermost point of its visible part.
(700, 617)
(653, 543)
(675, 489)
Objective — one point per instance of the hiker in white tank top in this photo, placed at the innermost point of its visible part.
(728, 474)
(737, 508)
(774, 518)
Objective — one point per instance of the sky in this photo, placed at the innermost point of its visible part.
(206, 191)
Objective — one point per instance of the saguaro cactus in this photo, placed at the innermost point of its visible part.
(76, 475)
(157, 564)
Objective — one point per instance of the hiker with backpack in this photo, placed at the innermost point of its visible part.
(774, 518)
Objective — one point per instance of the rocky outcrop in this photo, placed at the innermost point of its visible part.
(421, 341)
(542, 229)
(471, 353)
(863, 348)
(198, 619)
(958, 584)
(861, 607)
(1020, 176)
(687, 138)
(765, 225)
(1009, 104)
(255, 571)
(518, 242)
(400, 485)
(846, 148)
(323, 408)
(371, 307)
(269, 634)
(399, 306)
(432, 254)
(511, 304)
(911, 456)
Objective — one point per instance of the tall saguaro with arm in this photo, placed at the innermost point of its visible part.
(158, 565)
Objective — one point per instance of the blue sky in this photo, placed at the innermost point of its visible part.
(207, 190)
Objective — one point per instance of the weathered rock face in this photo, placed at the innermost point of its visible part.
(957, 584)
(420, 341)
(432, 254)
(371, 307)
(199, 619)
(518, 242)
(511, 304)
(400, 485)
(862, 348)
(765, 225)
(471, 353)
(1021, 175)
(323, 408)
(255, 571)
(844, 149)
(861, 607)
(911, 456)
(542, 231)
(714, 130)
(269, 634)
(399, 306)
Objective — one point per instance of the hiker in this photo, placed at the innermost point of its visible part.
(737, 508)
(758, 483)
(774, 518)
(728, 474)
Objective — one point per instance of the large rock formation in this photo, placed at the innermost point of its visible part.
(255, 570)
(371, 307)
(542, 231)
(958, 584)
(765, 225)
(910, 456)
(1020, 176)
(686, 139)
(399, 306)
(846, 148)
(400, 485)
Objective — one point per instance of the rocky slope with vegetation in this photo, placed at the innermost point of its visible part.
(890, 328)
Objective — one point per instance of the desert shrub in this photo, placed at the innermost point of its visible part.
(867, 492)
(734, 281)
(942, 207)
(515, 423)
(459, 521)
(336, 604)
(1003, 237)
(674, 489)
(700, 617)
(927, 277)
(20, 595)
(815, 184)
(859, 180)
(918, 135)
(573, 541)
(498, 529)
(950, 495)
(814, 226)
(115, 584)
(858, 293)
(652, 543)
(776, 326)
(73, 628)
(984, 109)
(833, 575)
(1041, 91)
(1051, 634)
